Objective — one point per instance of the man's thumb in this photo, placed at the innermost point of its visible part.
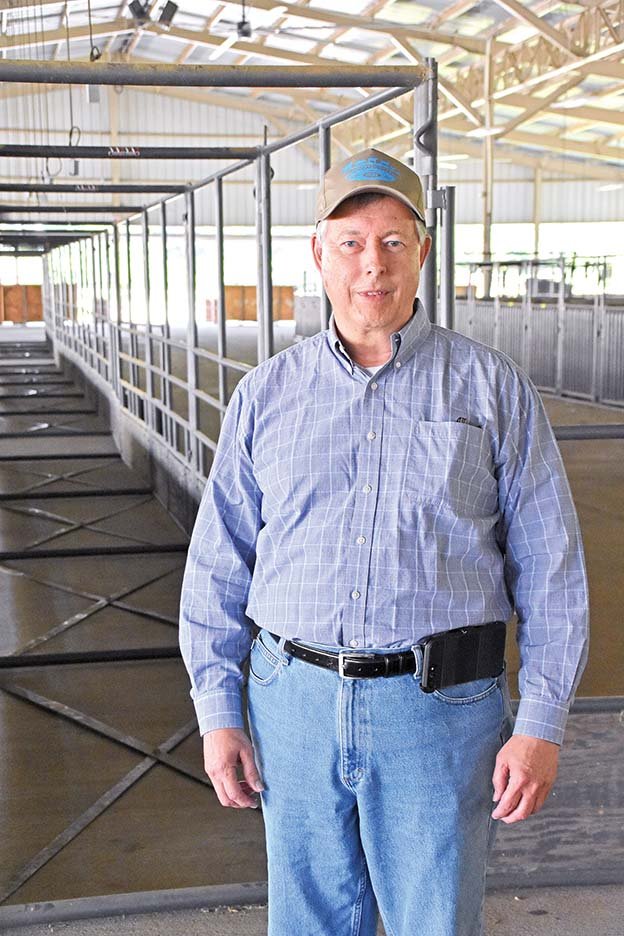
(499, 779)
(250, 770)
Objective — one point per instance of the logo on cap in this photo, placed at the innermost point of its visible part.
(370, 170)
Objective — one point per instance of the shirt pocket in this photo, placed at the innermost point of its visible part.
(450, 464)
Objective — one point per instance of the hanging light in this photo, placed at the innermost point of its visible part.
(167, 13)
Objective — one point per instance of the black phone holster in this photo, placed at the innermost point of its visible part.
(463, 654)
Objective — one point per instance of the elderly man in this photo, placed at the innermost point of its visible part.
(384, 495)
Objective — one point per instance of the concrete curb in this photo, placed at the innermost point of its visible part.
(184, 898)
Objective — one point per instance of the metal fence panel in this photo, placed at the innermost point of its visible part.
(483, 322)
(542, 362)
(612, 383)
(511, 331)
(578, 350)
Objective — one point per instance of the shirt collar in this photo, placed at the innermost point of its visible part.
(403, 342)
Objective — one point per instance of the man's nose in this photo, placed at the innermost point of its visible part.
(374, 259)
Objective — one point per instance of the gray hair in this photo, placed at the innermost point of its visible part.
(361, 200)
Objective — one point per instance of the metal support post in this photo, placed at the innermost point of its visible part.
(149, 373)
(560, 340)
(264, 289)
(94, 300)
(488, 169)
(426, 165)
(447, 259)
(324, 165)
(113, 326)
(168, 424)
(221, 310)
(192, 451)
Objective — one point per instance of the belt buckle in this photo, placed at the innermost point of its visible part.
(341, 661)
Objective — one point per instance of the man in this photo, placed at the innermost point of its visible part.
(379, 483)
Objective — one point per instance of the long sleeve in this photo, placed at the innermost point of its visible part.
(215, 632)
(544, 563)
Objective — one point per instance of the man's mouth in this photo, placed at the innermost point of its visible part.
(373, 293)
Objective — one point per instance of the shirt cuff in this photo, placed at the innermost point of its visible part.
(219, 709)
(542, 719)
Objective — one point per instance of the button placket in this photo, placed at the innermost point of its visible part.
(367, 474)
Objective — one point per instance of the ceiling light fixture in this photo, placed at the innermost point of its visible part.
(167, 13)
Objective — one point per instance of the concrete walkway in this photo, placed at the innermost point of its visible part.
(577, 911)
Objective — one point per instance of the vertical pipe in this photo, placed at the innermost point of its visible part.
(488, 169)
(113, 325)
(192, 452)
(94, 292)
(597, 320)
(447, 259)
(324, 142)
(132, 342)
(560, 341)
(221, 310)
(426, 165)
(165, 360)
(149, 373)
(537, 210)
(264, 289)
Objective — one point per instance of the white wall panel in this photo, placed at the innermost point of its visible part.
(581, 201)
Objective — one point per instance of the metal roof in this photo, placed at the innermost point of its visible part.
(555, 96)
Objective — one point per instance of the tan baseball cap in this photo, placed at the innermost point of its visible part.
(369, 171)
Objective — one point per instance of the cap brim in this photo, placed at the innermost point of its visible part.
(360, 190)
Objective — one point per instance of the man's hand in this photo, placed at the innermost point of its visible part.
(224, 750)
(525, 771)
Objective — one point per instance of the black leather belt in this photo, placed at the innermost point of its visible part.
(355, 665)
(447, 658)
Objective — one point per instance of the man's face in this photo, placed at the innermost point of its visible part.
(370, 261)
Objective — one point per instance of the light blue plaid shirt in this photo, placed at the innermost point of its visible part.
(370, 511)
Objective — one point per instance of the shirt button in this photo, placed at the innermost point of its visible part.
(371, 435)
(367, 489)
(355, 594)
(354, 643)
(374, 385)
(397, 364)
(361, 540)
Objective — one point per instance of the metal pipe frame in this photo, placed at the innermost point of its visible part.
(208, 76)
(88, 188)
(30, 151)
(426, 165)
(182, 436)
(68, 209)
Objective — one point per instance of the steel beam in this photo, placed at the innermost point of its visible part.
(28, 151)
(212, 76)
(87, 188)
(52, 432)
(586, 432)
(60, 457)
(35, 494)
(19, 661)
(70, 209)
(135, 550)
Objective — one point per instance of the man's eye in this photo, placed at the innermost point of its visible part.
(349, 243)
(394, 243)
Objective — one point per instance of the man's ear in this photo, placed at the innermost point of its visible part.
(317, 250)
(425, 247)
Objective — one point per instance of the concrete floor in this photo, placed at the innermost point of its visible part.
(57, 771)
(565, 911)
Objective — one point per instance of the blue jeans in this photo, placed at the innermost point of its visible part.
(378, 796)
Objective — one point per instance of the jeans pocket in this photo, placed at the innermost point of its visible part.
(467, 692)
(264, 664)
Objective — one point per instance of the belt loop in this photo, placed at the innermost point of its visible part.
(284, 657)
